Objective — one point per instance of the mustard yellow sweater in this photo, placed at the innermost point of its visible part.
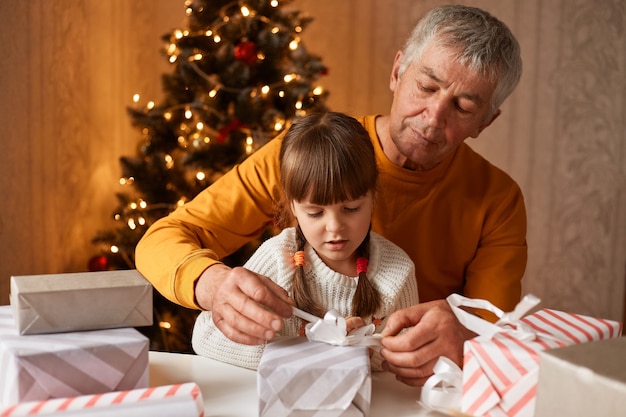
(463, 224)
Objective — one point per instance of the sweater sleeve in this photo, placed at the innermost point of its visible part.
(496, 271)
(234, 210)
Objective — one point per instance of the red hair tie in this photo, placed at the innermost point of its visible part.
(361, 265)
(298, 258)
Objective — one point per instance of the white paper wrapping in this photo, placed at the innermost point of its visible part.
(41, 367)
(57, 303)
(181, 400)
(297, 377)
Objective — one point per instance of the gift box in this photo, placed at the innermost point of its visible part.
(297, 377)
(501, 365)
(107, 299)
(181, 400)
(41, 367)
(583, 380)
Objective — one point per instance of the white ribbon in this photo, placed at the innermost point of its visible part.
(508, 322)
(332, 330)
(443, 390)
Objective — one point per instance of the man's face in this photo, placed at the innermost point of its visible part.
(437, 104)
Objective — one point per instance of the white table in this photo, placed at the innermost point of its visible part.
(231, 391)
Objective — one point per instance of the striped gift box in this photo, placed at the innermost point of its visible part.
(41, 367)
(301, 378)
(500, 373)
(181, 400)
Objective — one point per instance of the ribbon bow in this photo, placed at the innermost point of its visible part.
(444, 389)
(332, 330)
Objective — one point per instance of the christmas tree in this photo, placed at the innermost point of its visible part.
(240, 75)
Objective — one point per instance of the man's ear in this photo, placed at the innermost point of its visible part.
(395, 76)
(485, 124)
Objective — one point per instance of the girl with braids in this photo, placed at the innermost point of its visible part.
(329, 258)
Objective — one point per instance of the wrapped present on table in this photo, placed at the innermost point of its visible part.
(180, 400)
(583, 380)
(501, 364)
(298, 377)
(41, 367)
(57, 303)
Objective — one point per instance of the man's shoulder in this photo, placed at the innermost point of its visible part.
(471, 164)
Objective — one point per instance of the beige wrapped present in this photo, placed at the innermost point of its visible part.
(301, 378)
(41, 367)
(57, 303)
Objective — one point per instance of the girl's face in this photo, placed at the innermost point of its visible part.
(335, 231)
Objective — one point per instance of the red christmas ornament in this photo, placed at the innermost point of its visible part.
(225, 131)
(98, 263)
(246, 52)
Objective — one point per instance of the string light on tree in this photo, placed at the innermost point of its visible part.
(240, 73)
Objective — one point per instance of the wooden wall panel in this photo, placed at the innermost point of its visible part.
(69, 70)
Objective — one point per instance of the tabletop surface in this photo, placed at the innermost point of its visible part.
(228, 390)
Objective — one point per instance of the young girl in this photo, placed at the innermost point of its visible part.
(330, 259)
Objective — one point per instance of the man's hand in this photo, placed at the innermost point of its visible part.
(433, 331)
(247, 307)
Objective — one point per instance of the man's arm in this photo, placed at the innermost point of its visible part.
(177, 249)
(180, 253)
(496, 271)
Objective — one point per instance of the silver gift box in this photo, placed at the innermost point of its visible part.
(301, 378)
(42, 367)
(56, 303)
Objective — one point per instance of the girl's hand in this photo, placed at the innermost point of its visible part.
(353, 323)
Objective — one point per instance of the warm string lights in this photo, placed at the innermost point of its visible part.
(270, 79)
(243, 14)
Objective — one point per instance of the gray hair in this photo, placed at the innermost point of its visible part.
(485, 45)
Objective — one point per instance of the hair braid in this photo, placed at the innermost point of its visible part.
(366, 298)
(301, 291)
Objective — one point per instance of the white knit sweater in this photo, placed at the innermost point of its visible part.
(390, 271)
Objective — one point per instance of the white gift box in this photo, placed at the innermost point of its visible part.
(180, 400)
(301, 378)
(583, 380)
(41, 367)
(57, 303)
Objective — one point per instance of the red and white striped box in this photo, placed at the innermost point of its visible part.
(181, 400)
(59, 365)
(500, 372)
